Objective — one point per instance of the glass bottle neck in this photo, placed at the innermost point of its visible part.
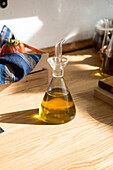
(58, 72)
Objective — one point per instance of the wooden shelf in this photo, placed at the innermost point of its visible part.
(72, 46)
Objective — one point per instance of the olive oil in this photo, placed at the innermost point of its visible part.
(106, 68)
(57, 106)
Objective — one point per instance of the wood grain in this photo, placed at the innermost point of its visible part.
(86, 142)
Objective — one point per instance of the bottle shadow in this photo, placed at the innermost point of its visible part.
(22, 117)
(98, 109)
(30, 117)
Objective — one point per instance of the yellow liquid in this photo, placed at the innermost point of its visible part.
(106, 68)
(57, 106)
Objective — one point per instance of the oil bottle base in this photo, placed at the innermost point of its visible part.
(57, 107)
(105, 74)
(57, 121)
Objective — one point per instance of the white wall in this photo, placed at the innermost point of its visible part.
(42, 23)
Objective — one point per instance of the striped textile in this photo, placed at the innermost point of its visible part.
(15, 66)
(5, 35)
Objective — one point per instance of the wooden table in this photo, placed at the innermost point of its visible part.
(86, 142)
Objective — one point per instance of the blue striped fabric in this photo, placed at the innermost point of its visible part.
(15, 66)
(5, 35)
(2, 74)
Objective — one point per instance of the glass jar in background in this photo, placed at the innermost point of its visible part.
(101, 30)
(106, 68)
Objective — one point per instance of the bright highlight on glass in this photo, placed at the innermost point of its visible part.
(36, 116)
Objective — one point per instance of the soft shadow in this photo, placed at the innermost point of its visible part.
(98, 109)
(22, 117)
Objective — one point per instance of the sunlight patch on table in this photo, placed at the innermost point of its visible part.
(75, 58)
(85, 67)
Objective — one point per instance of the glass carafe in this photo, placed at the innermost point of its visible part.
(106, 68)
(57, 105)
(103, 33)
(106, 38)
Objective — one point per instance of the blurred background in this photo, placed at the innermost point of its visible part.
(42, 23)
